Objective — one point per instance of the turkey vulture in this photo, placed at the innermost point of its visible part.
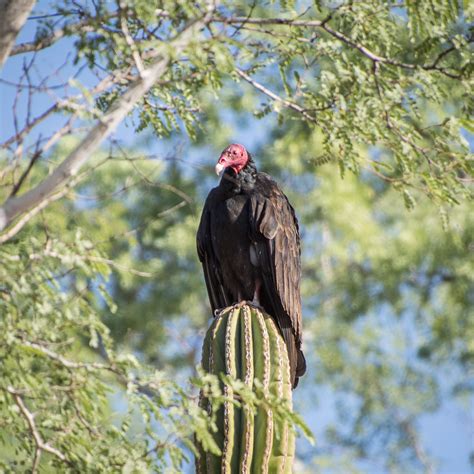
(249, 245)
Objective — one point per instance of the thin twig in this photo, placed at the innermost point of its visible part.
(26, 172)
(94, 258)
(68, 364)
(130, 41)
(40, 444)
(287, 103)
(29, 126)
(338, 35)
(45, 42)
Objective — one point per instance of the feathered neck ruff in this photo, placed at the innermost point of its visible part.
(245, 180)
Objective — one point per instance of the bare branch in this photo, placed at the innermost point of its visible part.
(14, 15)
(26, 172)
(47, 41)
(82, 26)
(29, 126)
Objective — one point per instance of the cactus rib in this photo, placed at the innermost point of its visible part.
(244, 343)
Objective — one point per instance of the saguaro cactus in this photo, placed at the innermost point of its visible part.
(244, 343)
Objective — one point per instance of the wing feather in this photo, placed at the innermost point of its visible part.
(275, 235)
(218, 296)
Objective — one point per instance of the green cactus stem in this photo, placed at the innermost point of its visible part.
(244, 343)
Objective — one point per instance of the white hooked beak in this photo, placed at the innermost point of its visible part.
(220, 169)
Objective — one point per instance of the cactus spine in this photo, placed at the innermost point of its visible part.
(245, 343)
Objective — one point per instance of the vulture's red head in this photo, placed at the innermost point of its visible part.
(234, 156)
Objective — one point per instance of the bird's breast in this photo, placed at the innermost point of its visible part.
(236, 210)
(231, 226)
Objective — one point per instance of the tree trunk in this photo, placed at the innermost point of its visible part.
(13, 14)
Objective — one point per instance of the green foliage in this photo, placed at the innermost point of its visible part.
(60, 374)
(362, 74)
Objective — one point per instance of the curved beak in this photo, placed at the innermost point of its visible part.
(220, 169)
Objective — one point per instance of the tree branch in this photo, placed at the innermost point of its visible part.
(286, 103)
(16, 206)
(30, 214)
(130, 41)
(68, 364)
(82, 26)
(338, 35)
(123, 377)
(40, 445)
(30, 125)
(93, 258)
(26, 172)
(47, 41)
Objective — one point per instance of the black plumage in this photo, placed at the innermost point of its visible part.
(249, 245)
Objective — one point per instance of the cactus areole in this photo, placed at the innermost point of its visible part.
(244, 343)
(249, 245)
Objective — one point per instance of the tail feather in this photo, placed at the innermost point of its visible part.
(301, 364)
(295, 356)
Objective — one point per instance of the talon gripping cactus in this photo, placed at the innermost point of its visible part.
(244, 343)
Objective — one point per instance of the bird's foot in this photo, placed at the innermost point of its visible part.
(219, 311)
(240, 304)
(255, 304)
